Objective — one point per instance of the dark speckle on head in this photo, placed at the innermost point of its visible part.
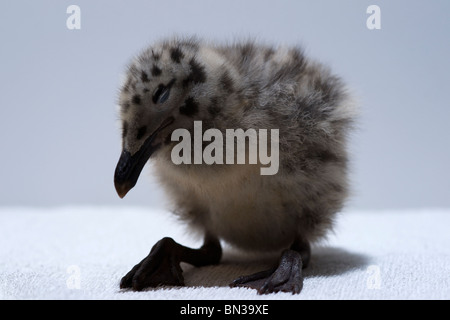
(136, 99)
(156, 71)
(197, 74)
(144, 77)
(176, 54)
(141, 132)
(189, 108)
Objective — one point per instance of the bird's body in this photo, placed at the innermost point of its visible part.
(247, 86)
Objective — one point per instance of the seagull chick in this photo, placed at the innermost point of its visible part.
(180, 82)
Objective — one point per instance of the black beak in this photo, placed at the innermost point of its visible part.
(130, 166)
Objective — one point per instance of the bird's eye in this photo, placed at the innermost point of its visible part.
(161, 94)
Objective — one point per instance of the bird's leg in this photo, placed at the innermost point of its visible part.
(162, 265)
(286, 276)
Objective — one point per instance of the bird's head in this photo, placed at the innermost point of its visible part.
(160, 94)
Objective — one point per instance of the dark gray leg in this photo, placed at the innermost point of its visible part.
(162, 265)
(286, 276)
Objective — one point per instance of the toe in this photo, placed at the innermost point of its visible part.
(286, 277)
(125, 283)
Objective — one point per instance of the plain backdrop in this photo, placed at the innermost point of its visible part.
(59, 132)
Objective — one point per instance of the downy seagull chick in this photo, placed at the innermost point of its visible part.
(249, 86)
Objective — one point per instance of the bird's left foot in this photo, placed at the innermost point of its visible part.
(160, 267)
(286, 277)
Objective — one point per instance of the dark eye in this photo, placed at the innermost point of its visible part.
(161, 94)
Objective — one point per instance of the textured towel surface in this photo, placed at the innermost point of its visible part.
(82, 253)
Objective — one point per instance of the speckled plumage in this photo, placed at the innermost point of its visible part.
(245, 85)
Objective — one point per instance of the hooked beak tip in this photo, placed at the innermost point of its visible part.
(121, 193)
(127, 172)
(122, 187)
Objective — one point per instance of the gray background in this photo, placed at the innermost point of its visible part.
(58, 122)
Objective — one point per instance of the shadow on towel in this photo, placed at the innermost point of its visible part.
(325, 262)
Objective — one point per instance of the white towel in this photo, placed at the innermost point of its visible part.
(82, 253)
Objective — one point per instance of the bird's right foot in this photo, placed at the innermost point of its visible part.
(286, 277)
